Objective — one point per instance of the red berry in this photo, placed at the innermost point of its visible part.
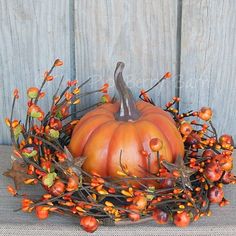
(215, 194)
(185, 128)
(193, 154)
(218, 158)
(224, 161)
(58, 188)
(160, 216)
(46, 165)
(55, 123)
(89, 223)
(182, 219)
(208, 153)
(193, 138)
(227, 178)
(213, 171)
(167, 181)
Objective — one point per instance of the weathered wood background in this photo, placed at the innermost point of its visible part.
(194, 39)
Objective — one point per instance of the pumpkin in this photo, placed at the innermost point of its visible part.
(126, 126)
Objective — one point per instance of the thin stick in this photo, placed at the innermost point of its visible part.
(214, 130)
(73, 113)
(47, 142)
(158, 161)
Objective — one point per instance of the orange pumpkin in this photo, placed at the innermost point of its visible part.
(126, 126)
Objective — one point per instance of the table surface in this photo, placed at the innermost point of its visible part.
(222, 221)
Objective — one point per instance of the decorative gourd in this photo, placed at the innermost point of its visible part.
(126, 126)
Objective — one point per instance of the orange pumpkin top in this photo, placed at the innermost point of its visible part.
(126, 126)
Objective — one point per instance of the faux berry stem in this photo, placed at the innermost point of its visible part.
(85, 109)
(43, 83)
(214, 130)
(11, 119)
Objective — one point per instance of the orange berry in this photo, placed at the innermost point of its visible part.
(205, 113)
(73, 183)
(32, 92)
(26, 204)
(104, 88)
(16, 93)
(42, 212)
(58, 62)
(140, 202)
(134, 215)
(89, 223)
(11, 190)
(167, 75)
(58, 188)
(185, 128)
(181, 219)
(49, 78)
(155, 144)
(226, 141)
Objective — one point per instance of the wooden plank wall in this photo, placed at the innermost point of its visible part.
(138, 32)
(32, 34)
(208, 59)
(193, 39)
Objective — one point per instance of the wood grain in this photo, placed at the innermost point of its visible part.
(141, 33)
(208, 65)
(91, 36)
(32, 35)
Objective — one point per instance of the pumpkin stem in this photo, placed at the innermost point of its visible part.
(128, 110)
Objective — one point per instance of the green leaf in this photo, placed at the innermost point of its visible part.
(103, 99)
(59, 115)
(150, 190)
(54, 133)
(48, 179)
(30, 154)
(17, 131)
(35, 114)
(32, 94)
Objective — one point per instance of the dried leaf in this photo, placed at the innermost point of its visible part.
(18, 173)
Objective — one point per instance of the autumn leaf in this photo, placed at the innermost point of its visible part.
(18, 173)
(48, 179)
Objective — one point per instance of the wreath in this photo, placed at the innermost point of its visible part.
(120, 161)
